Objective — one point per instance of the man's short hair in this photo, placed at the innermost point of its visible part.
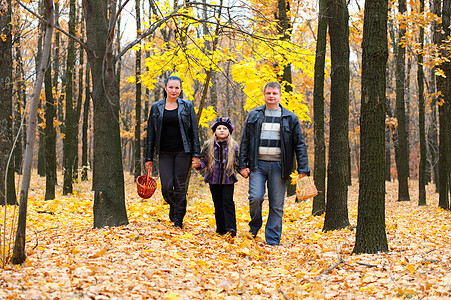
(273, 84)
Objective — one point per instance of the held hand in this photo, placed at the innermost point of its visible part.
(245, 172)
(148, 164)
(195, 162)
(300, 175)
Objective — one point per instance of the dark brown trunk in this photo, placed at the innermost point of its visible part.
(7, 196)
(319, 174)
(421, 118)
(401, 146)
(337, 170)
(108, 178)
(137, 141)
(370, 234)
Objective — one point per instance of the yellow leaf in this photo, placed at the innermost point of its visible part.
(171, 296)
(411, 268)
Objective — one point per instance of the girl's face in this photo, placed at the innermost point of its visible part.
(221, 132)
(173, 89)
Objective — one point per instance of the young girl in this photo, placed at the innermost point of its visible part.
(219, 156)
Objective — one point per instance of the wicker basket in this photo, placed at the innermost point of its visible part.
(309, 191)
(146, 185)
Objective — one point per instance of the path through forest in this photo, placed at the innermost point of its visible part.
(149, 258)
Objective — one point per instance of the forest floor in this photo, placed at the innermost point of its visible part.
(150, 259)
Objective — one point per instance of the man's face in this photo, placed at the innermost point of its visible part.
(272, 97)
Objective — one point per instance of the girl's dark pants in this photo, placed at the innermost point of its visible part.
(174, 167)
(222, 195)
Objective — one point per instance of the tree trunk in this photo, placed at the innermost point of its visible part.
(421, 118)
(7, 184)
(285, 29)
(69, 121)
(370, 234)
(433, 128)
(401, 147)
(19, 255)
(18, 108)
(86, 109)
(108, 178)
(319, 174)
(445, 89)
(337, 171)
(41, 146)
(138, 96)
(77, 112)
(50, 138)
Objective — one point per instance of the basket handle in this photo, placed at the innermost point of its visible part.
(148, 177)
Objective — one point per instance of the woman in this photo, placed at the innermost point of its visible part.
(172, 133)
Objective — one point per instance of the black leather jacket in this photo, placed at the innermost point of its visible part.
(188, 128)
(292, 142)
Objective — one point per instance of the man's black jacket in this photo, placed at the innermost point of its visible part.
(291, 138)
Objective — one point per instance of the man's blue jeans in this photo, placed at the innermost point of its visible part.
(267, 172)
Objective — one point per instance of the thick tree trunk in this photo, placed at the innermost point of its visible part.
(401, 146)
(137, 141)
(50, 138)
(7, 185)
(19, 255)
(319, 174)
(337, 171)
(370, 234)
(108, 178)
(421, 118)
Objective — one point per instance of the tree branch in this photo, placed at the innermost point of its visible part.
(54, 26)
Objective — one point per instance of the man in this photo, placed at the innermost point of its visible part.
(272, 136)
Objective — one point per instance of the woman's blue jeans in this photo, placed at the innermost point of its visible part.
(267, 172)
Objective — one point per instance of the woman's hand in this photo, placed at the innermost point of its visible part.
(195, 162)
(148, 164)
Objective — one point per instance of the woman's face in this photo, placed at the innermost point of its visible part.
(173, 89)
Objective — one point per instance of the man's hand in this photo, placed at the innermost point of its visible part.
(195, 162)
(148, 164)
(245, 172)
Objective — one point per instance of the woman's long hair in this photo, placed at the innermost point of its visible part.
(165, 95)
(231, 144)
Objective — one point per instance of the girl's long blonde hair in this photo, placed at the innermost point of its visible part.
(231, 144)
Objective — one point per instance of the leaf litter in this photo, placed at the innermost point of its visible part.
(150, 259)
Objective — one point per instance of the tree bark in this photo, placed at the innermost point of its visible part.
(137, 142)
(444, 86)
(69, 134)
(108, 178)
(18, 108)
(50, 138)
(370, 234)
(421, 117)
(7, 184)
(337, 171)
(19, 255)
(401, 146)
(86, 109)
(319, 174)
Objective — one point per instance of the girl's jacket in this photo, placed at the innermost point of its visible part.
(218, 174)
